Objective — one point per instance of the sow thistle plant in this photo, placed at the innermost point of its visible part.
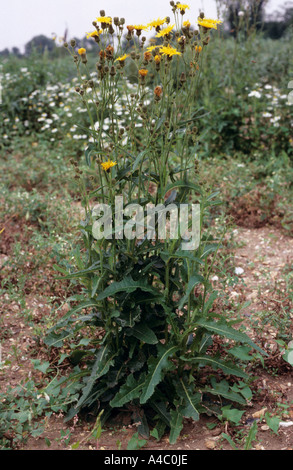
(147, 297)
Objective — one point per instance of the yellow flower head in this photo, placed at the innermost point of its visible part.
(186, 24)
(140, 27)
(104, 19)
(156, 23)
(157, 59)
(182, 7)
(169, 51)
(165, 31)
(208, 23)
(93, 34)
(81, 51)
(122, 58)
(107, 165)
(143, 72)
(151, 48)
(198, 48)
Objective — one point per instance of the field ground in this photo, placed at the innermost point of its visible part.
(29, 305)
(235, 132)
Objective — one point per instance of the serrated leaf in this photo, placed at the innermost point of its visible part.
(223, 389)
(217, 363)
(127, 392)
(155, 373)
(223, 329)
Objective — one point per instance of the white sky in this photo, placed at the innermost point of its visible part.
(23, 19)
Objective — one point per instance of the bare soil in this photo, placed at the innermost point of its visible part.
(264, 253)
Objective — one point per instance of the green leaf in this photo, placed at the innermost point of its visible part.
(136, 443)
(41, 367)
(183, 184)
(288, 356)
(66, 318)
(228, 438)
(223, 389)
(273, 422)
(193, 281)
(217, 363)
(101, 367)
(138, 159)
(126, 285)
(241, 352)
(251, 436)
(155, 373)
(192, 401)
(128, 392)
(161, 409)
(223, 329)
(144, 333)
(232, 415)
(176, 425)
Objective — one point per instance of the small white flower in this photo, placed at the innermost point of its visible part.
(275, 119)
(255, 94)
(239, 271)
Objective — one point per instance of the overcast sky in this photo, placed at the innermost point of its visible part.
(23, 19)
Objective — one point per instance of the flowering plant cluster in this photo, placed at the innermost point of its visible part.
(148, 301)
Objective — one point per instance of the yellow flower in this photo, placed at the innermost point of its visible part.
(151, 48)
(198, 48)
(140, 27)
(157, 59)
(93, 34)
(143, 72)
(104, 19)
(182, 7)
(208, 23)
(165, 31)
(186, 24)
(122, 58)
(81, 51)
(156, 23)
(107, 165)
(169, 51)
